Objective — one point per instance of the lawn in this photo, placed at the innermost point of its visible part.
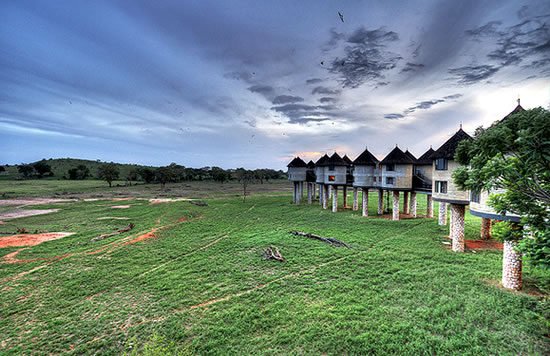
(200, 282)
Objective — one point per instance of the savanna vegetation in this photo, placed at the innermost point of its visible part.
(190, 278)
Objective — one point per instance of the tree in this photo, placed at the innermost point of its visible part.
(25, 169)
(219, 175)
(79, 172)
(108, 172)
(245, 177)
(165, 175)
(42, 168)
(2, 169)
(147, 174)
(514, 155)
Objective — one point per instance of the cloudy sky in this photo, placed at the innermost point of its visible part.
(252, 83)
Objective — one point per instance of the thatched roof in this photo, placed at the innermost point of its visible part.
(334, 160)
(366, 159)
(447, 150)
(408, 153)
(396, 156)
(310, 164)
(348, 160)
(321, 160)
(425, 158)
(297, 162)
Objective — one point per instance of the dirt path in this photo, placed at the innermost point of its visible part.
(31, 239)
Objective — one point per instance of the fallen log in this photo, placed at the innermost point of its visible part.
(329, 240)
(273, 252)
(118, 232)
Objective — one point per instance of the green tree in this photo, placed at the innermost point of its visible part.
(108, 172)
(146, 174)
(165, 175)
(26, 170)
(245, 177)
(42, 168)
(513, 154)
(2, 169)
(79, 172)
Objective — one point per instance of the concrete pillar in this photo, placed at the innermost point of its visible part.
(301, 190)
(451, 219)
(511, 266)
(335, 199)
(457, 226)
(485, 228)
(345, 192)
(395, 211)
(294, 192)
(442, 214)
(412, 205)
(325, 196)
(406, 202)
(355, 199)
(309, 192)
(321, 194)
(330, 191)
(429, 206)
(380, 202)
(365, 202)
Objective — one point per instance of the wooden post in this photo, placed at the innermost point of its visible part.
(395, 210)
(405, 202)
(429, 206)
(325, 196)
(457, 225)
(335, 199)
(442, 213)
(355, 202)
(511, 266)
(412, 205)
(485, 228)
(308, 193)
(365, 202)
(380, 202)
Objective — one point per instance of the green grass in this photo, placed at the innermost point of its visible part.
(396, 291)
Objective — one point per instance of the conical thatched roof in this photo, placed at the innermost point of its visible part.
(321, 160)
(310, 164)
(425, 158)
(408, 153)
(366, 159)
(396, 156)
(297, 162)
(334, 160)
(348, 160)
(447, 150)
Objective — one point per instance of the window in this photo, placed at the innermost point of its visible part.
(389, 180)
(331, 167)
(374, 179)
(380, 179)
(331, 178)
(441, 164)
(390, 167)
(474, 197)
(440, 187)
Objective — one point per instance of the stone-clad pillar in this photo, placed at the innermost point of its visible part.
(325, 196)
(330, 191)
(345, 193)
(457, 227)
(298, 196)
(321, 194)
(355, 200)
(450, 228)
(442, 213)
(406, 202)
(412, 207)
(511, 266)
(485, 228)
(335, 199)
(365, 205)
(395, 205)
(380, 202)
(309, 193)
(429, 206)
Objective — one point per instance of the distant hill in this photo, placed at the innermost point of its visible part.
(60, 166)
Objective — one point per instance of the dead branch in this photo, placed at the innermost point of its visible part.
(329, 240)
(273, 252)
(118, 232)
(198, 202)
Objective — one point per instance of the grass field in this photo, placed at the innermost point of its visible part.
(200, 284)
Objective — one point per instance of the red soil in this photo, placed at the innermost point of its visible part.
(30, 240)
(145, 236)
(482, 244)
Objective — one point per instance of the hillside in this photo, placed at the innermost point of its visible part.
(60, 166)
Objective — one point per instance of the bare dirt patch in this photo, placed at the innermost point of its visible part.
(145, 236)
(31, 239)
(167, 200)
(483, 244)
(120, 207)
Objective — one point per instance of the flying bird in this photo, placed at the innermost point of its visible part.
(341, 16)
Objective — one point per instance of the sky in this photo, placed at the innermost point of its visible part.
(254, 83)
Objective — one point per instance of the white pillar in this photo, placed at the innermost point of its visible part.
(511, 266)
(355, 199)
(457, 225)
(406, 202)
(412, 205)
(298, 193)
(365, 205)
(325, 196)
(450, 221)
(308, 193)
(380, 202)
(442, 213)
(395, 211)
(321, 194)
(429, 206)
(335, 199)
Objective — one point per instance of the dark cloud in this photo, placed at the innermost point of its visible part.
(285, 99)
(473, 74)
(410, 67)
(314, 81)
(451, 97)
(489, 29)
(327, 99)
(393, 116)
(366, 57)
(302, 113)
(265, 90)
(244, 76)
(335, 37)
(325, 90)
